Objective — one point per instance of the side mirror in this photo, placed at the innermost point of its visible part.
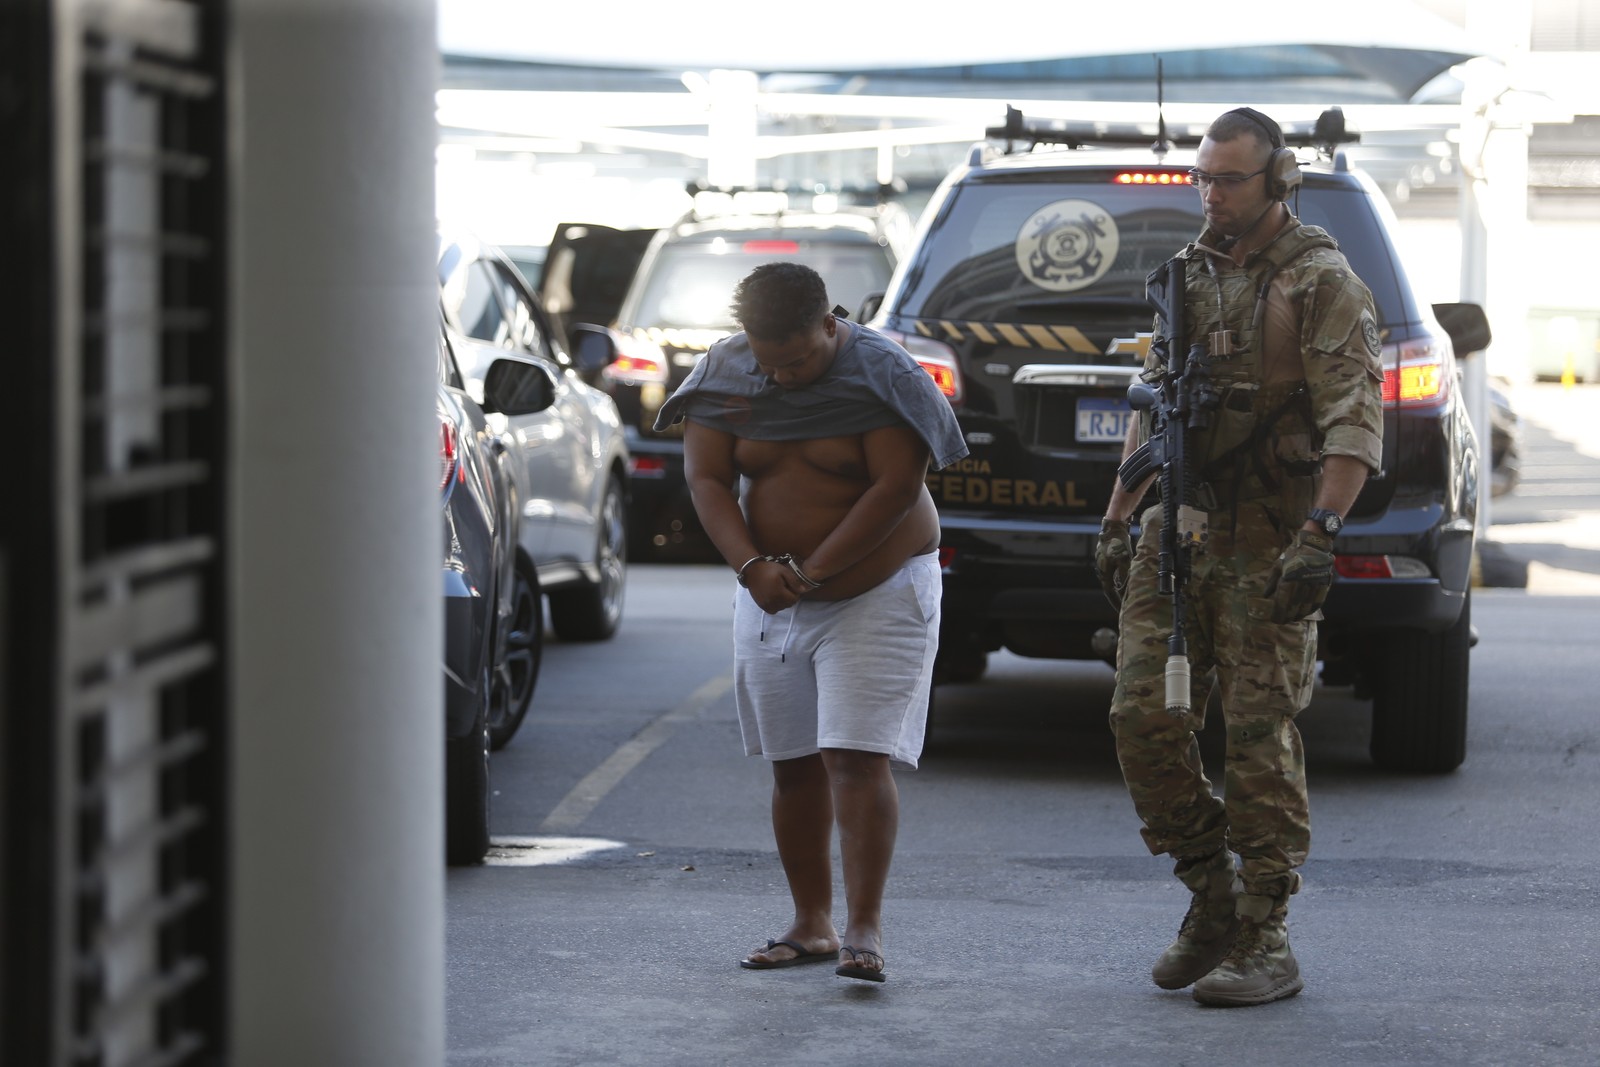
(869, 306)
(1141, 397)
(593, 347)
(516, 387)
(1467, 326)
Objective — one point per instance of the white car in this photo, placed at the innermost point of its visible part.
(570, 461)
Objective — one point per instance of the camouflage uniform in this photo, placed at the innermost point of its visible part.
(1301, 381)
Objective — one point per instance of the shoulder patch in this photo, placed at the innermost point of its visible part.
(1369, 334)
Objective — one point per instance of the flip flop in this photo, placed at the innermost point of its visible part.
(800, 956)
(853, 969)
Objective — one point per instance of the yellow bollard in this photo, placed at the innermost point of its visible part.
(1569, 376)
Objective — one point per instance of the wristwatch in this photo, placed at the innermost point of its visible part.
(1330, 521)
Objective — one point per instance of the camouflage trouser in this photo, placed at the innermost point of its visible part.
(1265, 672)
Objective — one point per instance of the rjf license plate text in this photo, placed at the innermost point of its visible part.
(1102, 420)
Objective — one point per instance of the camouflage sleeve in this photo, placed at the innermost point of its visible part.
(1151, 373)
(1340, 348)
(1152, 359)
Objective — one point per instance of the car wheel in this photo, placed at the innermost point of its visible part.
(1419, 699)
(593, 612)
(466, 788)
(518, 670)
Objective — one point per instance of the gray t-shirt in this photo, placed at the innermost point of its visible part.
(872, 383)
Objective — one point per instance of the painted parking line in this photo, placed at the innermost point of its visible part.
(580, 803)
(543, 851)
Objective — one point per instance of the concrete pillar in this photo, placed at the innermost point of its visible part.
(1494, 209)
(337, 895)
(731, 129)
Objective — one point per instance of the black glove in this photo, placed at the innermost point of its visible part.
(1300, 581)
(1113, 554)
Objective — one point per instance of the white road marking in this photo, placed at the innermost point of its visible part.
(580, 803)
(540, 851)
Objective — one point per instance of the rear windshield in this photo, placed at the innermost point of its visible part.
(691, 283)
(1037, 251)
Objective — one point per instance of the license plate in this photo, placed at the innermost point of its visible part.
(1102, 419)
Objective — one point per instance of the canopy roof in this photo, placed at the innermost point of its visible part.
(1379, 50)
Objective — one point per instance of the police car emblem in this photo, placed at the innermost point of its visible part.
(1067, 245)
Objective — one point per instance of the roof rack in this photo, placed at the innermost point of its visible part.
(860, 194)
(1022, 134)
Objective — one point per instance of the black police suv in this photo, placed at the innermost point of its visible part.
(1024, 296)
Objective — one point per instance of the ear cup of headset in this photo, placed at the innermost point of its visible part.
(1283, 173)
(1283, 170)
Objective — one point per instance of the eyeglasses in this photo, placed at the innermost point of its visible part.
(1202, 180)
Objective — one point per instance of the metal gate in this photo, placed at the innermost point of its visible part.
(113, 564)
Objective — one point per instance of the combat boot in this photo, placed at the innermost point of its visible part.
(1209, 926)
(1260, 968)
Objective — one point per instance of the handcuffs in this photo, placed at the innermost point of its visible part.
(788, 560)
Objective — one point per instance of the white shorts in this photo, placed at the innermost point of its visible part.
(840, 673)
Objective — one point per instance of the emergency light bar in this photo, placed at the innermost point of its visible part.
(1325, 134)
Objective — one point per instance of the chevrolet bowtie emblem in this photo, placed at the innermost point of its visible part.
(1137, 346)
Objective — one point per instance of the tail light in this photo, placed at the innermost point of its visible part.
(935, 357)
(647, 467)
(1380, 567)
(1362, 566)
(639, 361)
(1418, 373)
(449, 457)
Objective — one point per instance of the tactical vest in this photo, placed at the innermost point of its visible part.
(1262, 441)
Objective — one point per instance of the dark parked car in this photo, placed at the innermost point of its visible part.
(569, 461)
(1025, 295)
(1505, 440)
(492, 631)
(677, 305)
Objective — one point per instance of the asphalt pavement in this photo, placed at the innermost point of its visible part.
(1444, 920)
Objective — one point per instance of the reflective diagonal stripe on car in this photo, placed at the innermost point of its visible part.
(1017, 335)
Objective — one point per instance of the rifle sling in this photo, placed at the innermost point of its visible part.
(1246, 457)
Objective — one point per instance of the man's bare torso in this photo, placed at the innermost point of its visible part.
(797, 492)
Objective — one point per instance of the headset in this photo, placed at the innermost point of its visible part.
(1283, 170)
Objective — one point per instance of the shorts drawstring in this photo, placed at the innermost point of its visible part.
(783, 653)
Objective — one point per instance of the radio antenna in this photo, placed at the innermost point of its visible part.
(1162, 145)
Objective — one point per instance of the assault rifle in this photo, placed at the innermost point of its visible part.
(1182, 399)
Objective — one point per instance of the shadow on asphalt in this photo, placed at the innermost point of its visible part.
(1025, 719)
(1046, 719)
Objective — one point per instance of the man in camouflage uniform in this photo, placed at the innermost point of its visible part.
(1293, 349)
